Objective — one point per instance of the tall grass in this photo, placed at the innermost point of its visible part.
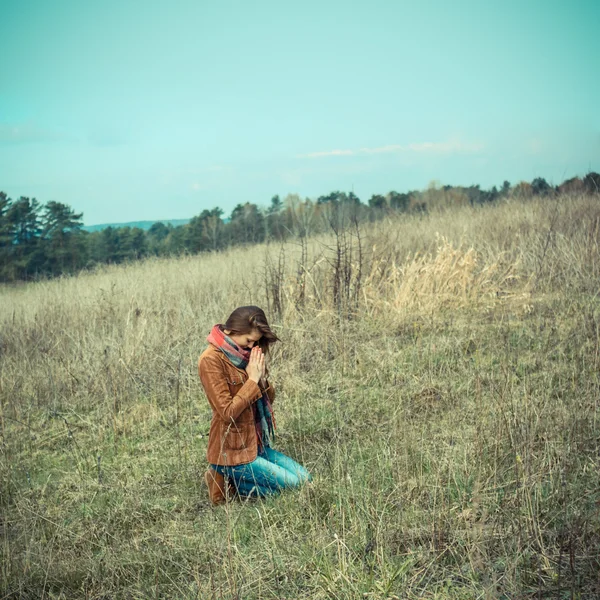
(438, 376)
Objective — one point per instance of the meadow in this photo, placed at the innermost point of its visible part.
(438, 375)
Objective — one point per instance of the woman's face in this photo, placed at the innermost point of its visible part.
(245, 340)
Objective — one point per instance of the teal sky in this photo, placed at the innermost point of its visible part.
(152, 110)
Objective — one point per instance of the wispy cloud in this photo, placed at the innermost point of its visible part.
(447, 147)
(26, 133)
(382, 149)
(196, 177)
(534, 145)
(105, 138)
(201, 171)
(328, 153)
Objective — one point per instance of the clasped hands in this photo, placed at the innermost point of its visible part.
(256, 365)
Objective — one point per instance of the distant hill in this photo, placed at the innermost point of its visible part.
(145, 225)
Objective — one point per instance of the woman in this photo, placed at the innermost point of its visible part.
(234, 376)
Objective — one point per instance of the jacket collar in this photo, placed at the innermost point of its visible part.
(227, 361)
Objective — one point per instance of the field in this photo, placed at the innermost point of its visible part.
(438, 375)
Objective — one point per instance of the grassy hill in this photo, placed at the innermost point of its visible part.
(438, 376)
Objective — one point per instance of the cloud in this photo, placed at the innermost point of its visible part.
(196, 177)
(448, 147)
(216, 169)
(291, 177)
(382, 149)
(106, 138)
(327, 153)
(26, 133)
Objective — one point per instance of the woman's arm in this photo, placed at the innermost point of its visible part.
(217, 391)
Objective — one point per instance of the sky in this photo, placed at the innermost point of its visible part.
(128, 110)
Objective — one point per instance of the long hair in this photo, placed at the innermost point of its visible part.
(245, 319)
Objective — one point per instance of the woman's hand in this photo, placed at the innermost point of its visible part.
(256, 365)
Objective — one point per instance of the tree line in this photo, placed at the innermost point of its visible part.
(45, 240)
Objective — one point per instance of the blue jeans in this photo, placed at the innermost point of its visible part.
(268, 474)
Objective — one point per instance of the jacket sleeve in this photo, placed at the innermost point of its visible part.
(217, 391)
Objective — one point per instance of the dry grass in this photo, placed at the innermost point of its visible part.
(439, 377)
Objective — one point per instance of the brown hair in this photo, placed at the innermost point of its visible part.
(244, 319)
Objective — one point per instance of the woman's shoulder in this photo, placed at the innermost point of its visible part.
(210, 354)
(214, 356)
(212, 359)
(209, 361)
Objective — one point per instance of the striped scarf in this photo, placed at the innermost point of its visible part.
(238, 357)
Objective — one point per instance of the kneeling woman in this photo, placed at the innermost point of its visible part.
(233, 374)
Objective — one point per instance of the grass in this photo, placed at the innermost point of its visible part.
(445, 401)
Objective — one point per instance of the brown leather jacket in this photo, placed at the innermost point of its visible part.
(232, 438)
